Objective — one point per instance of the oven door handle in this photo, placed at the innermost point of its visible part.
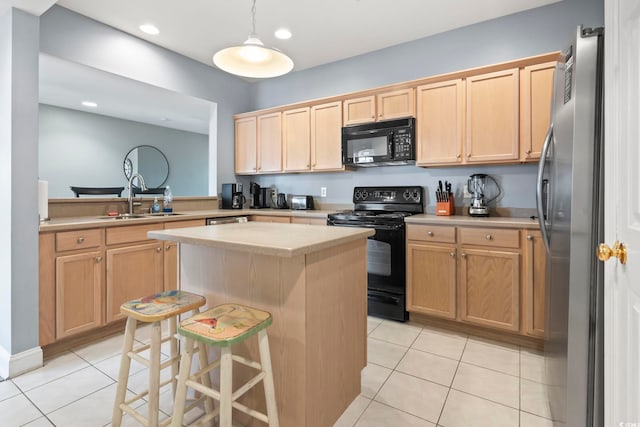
(385, 299)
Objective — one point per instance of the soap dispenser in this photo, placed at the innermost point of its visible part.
(155, 208)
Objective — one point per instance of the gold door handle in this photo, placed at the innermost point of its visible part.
(98, 258)
(619, 251)
(80, 239)
(168, 247)
(158, 250)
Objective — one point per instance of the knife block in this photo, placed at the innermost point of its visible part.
(445, 208)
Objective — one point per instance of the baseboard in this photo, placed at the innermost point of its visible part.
(12, 365)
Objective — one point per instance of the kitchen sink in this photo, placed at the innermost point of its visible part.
(162, 214)
(125, 216)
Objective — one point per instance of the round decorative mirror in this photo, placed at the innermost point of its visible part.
(149, 162)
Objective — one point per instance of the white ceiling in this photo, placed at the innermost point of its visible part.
(323, 31)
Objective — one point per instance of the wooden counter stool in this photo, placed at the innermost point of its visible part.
(224, 326)
(153, 309)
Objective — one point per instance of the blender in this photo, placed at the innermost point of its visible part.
(476, 185)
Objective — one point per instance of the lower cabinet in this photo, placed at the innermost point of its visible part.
(270, 218)
(487, 277)
(132, 272)
(431, 279)
(489, 288)
(78, 292)
(309, 221)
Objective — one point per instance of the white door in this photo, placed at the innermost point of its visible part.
(622, 212)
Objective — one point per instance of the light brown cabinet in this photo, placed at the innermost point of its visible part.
(296, 139)
(384, 106)
(258, 147)
(492, 117)
(534, 280)
(491, 277)
(536, 86)
(440, 123)
(326, 137)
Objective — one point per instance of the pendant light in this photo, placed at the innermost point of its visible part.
(252, 58)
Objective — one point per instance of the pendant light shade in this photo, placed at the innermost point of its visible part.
(252, 58)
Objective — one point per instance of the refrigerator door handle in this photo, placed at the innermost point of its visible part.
(540, 183)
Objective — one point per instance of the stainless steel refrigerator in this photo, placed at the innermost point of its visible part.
(569, 197)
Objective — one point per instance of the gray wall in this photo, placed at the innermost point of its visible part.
(529, 33)
(76, 38)
(18, 172)
(87, 150)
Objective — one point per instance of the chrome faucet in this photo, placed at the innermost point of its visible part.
(143, 187)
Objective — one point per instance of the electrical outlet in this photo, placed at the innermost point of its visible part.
(323, 191)
(467, 195)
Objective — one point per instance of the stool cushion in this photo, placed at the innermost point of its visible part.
(225, 324)
(163, 305)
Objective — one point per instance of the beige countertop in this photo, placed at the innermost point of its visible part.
(284, 240)
(75, 223)
(454, 220)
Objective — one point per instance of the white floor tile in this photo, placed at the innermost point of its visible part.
(93, 410)
(379, 415)
(53, 369)
(70, 388)
(428, 367)
(418, 397)
(396, 333)
(101, 350)
(40, 422)
(372, 323)
(533, 398)
(7, 390)
(384, 353)
(139, 381)
(373, 376)
(488, 384)
(530, 420)
(17, 411)
(463, 410)
(353, 412)
(532, 366)
(111, 367)
(492, 357)
(495, 344)
(440, 343)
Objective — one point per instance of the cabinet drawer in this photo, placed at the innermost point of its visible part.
(497, 237)
(79, 239)
(431, 233)
(129, 234)
(184, 224)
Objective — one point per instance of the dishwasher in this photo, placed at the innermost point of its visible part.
(226, 220)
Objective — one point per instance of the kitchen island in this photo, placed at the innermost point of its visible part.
(313, 280)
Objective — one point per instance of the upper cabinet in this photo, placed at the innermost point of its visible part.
(384, 106)
(536, 87)
(492, 116)
(440, 123)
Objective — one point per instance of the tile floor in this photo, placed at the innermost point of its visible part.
(416, 376)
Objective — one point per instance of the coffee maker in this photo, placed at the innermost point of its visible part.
(260, 197)
(232, 197)
(477, 186)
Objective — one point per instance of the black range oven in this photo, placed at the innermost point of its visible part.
(384, 209)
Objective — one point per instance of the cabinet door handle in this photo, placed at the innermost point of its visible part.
(158, 249)
(98, 259)
(80, 239)
(463, 255)
(429, 233)
(527, 152)
(468, 155)
(458, 156)
(452, 254)
(488, 237)
(168, 247)
(529, 237)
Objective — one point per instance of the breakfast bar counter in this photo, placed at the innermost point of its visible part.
(313, 280)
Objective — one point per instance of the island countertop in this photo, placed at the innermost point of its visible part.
(284, 240)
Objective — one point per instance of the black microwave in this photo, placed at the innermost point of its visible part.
(380, 143)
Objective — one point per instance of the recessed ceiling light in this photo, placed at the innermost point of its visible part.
(89, 104)
(283, 34)
(149, 29)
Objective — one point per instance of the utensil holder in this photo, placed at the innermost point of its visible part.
(445, 208)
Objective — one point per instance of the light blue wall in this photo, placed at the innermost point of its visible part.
(76, 38)
(18, 175)
(529, 33)
(87, 150)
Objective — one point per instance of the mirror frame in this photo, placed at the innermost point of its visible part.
(128, 161)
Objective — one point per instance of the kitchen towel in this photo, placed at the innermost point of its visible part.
(43, 200)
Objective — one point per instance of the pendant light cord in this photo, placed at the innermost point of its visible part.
(253, 14)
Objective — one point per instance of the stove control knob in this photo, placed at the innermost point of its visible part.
(357, 195)
(406, 195)
(415, 195)
(365, 195)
